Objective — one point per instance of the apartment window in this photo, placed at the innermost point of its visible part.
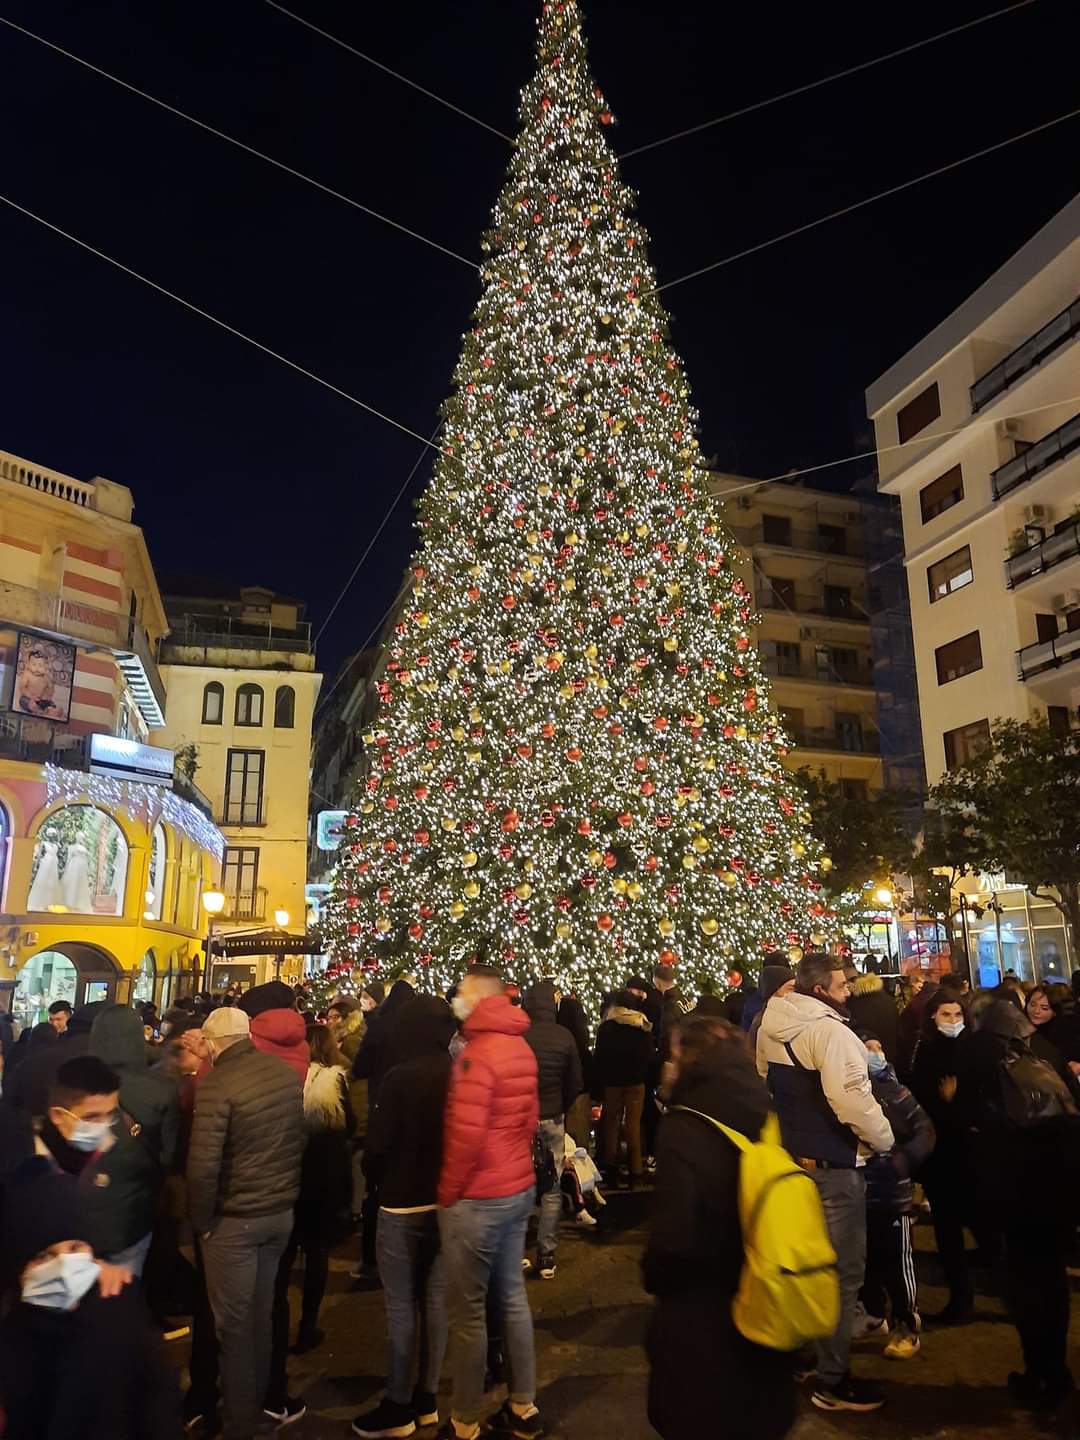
(249, 705)
(783, 592)
(244, 787)
(832, 539)
(952, 573)
(959, 657)
(239, 879)
(788, 657)
(844, 661)
(837, 600)
(213, 703)
(284, 707)
(918, 413)
(776, 529)
(965, 743)
(849, 732)
(941, 494)
(1057, 717)
(854, 789)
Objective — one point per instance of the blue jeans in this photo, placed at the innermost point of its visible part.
(411, 1270)
(483, 1243)
(553, 1138)
(843, 1197)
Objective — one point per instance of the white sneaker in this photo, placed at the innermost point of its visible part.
(526, 1263)
(597, 1196)
(866, 1324)
(903, 1345)
(584, 1218)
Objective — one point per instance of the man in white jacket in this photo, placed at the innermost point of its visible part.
(816, 1071)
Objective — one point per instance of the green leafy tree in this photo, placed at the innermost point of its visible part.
(573, 769)
(868, 837)
(1016, 807)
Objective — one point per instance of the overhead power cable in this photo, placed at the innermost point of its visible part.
(215, 320)
(869, 200)
(823, 80)
(370, 60)
(239, 144)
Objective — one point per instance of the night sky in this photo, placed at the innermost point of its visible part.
(244, 469)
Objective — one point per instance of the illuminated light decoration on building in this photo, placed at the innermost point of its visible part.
(142, 802)
(573, 770)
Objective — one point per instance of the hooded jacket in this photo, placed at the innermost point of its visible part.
(404, 1148)
(247, 1139)
(815, 1067)
(889, 1178)
(558, 1065)
(493, 1108)
(376, 1054)
(150, 1097)
(624, 1051)
(694, 1258)
(277, 1027)
(872, 1009)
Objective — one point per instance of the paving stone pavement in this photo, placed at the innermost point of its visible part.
(590, 1323)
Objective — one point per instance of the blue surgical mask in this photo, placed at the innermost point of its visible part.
(89, 1135)
(953, 1030)
(876, 1063)
(60, 1283)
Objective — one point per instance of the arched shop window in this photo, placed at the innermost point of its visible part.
(284, 707)
(80, 863)
(213, 703)
(143, 988)
(155, 877)
(46, 977)
(249, 705)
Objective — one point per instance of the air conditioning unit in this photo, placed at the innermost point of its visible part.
(1067, 600)
(1037, 515)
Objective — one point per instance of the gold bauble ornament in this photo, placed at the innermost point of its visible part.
(469, 859)
(667, 927)
(795, 954)
(471, 889)
(457, 910)
(700, 844)
(382, 924)
(826, 863)
(523, 891)
(710, 925)
(689, 862)
(729, 877)
(449, 822)
(563, 930)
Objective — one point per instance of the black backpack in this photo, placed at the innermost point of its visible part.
(1032, 1092)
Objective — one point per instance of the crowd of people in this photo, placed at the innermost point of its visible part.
(163, 1177)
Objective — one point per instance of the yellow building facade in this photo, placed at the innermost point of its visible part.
(239, 671)
(105, 855)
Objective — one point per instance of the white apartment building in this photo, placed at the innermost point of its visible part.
(978, 434)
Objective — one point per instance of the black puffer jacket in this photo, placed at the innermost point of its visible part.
(376, 1054)
(247, 1139)
(558, 1064)
(624, 1051)
(150, 1097)
(30, 1085)
(694, 1258)
(873, 1010)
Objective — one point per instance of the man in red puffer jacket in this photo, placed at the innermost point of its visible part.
(487, 1189)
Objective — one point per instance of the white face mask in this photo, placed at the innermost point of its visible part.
(461, 1007)
(89, 1135)
(950, 1030)
(60, 1283)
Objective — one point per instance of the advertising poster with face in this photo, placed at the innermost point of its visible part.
(44, 673)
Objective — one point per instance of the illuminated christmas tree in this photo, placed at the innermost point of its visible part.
(574, 770)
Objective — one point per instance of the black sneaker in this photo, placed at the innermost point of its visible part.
(288, 1413)
(425, 1407)
(507, 1422)
(545, 1264)
(387, 1419)
(848, 1394)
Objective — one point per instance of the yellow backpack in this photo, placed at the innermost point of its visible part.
(788, 1290)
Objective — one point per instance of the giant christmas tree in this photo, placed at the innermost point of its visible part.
(574, 770)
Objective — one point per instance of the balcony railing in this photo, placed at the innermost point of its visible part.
(1026, 357)
(1044, 555)
(846, 544)
(810, 602)
(46, 482)
(1046, 655)
(858, 743)
(1038, 457)
(220, 632)
(831, 674)
(245, 904)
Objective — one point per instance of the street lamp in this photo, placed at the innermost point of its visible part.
(883, 895)
(213, 902)
(281, 917)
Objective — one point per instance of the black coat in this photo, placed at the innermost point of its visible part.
(403, 1154)
(558, 1065)
(954, 1120)
(571, 1016)
(874, 1012)
(692, 1264)
(624, 1055)
(30, 1085)
(376, 1053)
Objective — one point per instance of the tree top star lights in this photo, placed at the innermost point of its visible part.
(573, 770)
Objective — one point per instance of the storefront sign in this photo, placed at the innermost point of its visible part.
(44, 673)
(127, 760)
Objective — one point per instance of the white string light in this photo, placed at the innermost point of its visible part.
(146, 804)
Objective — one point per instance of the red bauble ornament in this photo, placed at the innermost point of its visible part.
(604, 922)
